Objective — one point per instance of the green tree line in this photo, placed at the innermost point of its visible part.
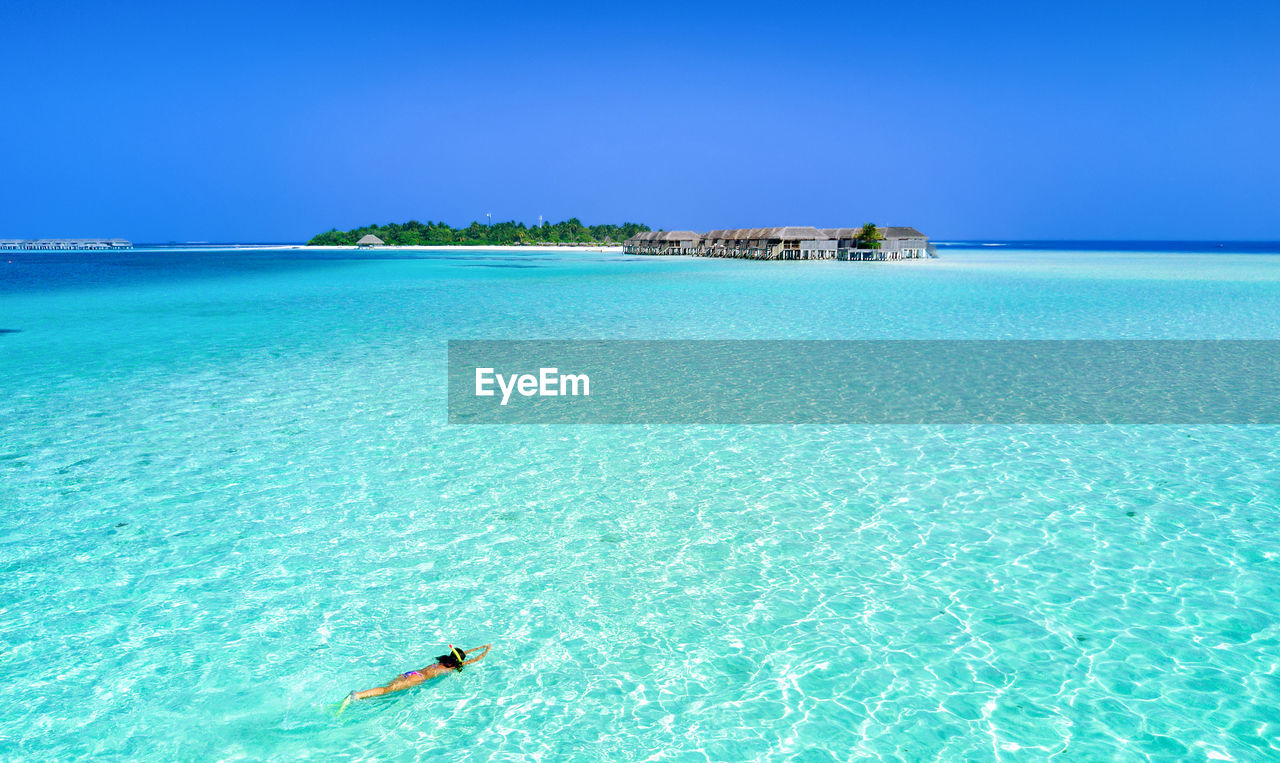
(414, 233)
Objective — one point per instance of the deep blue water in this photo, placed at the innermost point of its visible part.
(1164, 247)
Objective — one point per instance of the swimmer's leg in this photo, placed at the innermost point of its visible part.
(376, 691)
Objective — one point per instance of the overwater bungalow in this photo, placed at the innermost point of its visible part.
(50, 244)
(787, 243)
(663, 242)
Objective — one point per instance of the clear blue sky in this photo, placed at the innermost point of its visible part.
(269, 122)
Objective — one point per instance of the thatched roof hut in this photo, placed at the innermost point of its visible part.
(370, 240)
(681, 235)
(654, 236)
(798, 233)
(892, 231)
(644, 237)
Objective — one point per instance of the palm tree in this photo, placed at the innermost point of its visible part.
(869, 237)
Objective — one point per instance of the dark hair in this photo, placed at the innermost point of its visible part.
(451, 661)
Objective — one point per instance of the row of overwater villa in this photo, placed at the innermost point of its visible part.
(46, 244)
(791, 243)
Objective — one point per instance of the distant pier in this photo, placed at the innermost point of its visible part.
(791, 243)
(53, 244)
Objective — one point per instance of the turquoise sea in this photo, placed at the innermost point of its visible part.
(230, 496)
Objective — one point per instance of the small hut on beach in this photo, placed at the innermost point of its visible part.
(369, 240)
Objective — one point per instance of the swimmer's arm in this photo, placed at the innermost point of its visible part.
(480, 657)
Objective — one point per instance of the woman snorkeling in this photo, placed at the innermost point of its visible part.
(456, 659)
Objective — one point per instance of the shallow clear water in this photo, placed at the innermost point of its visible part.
(230, 497)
